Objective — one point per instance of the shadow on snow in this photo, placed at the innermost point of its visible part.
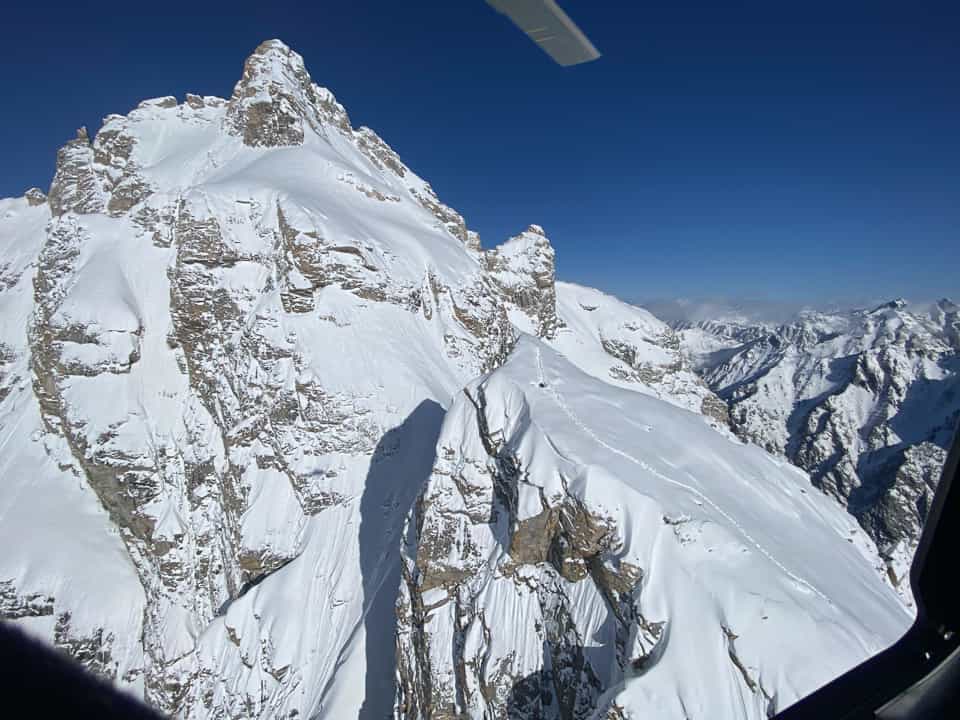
(401, 464)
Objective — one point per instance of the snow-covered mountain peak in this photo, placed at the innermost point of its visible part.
(524, 269)
(895, 304)
(210, 331)
(275, 100)
(530, 250)
(276, 56)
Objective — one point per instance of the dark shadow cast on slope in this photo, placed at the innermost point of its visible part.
(400, 466)
(567, 686)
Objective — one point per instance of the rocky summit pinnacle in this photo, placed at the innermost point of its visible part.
(75, 186)
(275, 101)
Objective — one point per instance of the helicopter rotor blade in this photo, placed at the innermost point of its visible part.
(551, 28)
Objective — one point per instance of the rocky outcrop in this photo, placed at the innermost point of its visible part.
(523, 269)
(99, 176)
(470, 552)
(35, 196)
(118, 173)
(75, 186)
(14, 605)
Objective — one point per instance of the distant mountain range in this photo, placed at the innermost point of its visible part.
(866, 401)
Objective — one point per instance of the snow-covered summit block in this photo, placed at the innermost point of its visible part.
(895, 304)
(524, 267)
(275, 100)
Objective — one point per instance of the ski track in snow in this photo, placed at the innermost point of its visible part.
(562, 404)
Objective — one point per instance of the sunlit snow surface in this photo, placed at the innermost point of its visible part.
(592, 320)
(56, 538)
(727, 537)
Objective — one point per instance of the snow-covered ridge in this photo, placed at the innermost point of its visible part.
(568, 524)
(628, 347)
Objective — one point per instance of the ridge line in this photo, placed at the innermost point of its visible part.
(561, 403)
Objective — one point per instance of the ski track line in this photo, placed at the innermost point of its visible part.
(561, 403)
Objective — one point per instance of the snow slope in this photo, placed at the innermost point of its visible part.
(628, 347)
(52, 525)
(670, 570)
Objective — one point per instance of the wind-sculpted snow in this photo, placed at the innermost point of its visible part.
(583, 551)
(628, 347)
(865, 401)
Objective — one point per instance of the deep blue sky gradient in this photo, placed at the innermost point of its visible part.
(800, 151)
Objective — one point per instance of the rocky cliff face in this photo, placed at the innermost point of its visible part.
(865, 401)
(228, 336)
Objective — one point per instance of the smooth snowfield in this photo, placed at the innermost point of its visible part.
(740, 556)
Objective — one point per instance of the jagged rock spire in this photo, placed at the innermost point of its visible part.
(275, 100)
(74, 186)
(524, 268)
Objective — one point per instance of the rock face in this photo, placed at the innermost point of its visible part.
(229, 336)
(549, 573)
(523, 269)
(865, 401)
(75, 186)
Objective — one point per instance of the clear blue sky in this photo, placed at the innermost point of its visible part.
(745, 149)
